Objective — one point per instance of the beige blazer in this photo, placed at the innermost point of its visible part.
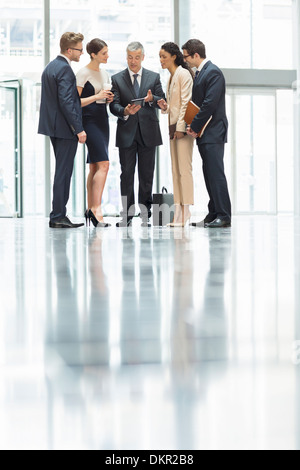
(179, 93)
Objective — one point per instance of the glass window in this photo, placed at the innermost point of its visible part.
(255, 157)
(285, 151)
(8, 123)
(33, 151)
(21, 39)
(237, 33)
(120, 22)
(258, 156)
(21, 43)
(260, 150)
(243, 33)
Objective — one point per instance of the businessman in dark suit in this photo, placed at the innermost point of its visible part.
(209, 94)
(60, 119)
(138, 131)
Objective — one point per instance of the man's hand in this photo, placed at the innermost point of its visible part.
(190, 132)
(110, 98)
(82, 137)
(149, 98)
(131, 109)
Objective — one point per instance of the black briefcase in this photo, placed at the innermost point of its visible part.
(163, 208)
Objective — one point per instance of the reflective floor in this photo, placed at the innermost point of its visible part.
(150, 338)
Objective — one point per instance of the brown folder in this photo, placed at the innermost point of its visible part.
(191, 111)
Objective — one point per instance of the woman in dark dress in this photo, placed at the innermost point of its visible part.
(93, 86)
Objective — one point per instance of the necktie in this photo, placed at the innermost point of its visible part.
(136, 85)
(197, 73)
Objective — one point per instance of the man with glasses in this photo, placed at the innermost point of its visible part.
(61, 120)
(209, 95)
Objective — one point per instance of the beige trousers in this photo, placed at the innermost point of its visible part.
(182, 170)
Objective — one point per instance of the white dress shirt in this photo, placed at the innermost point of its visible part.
(139, 78)
(202, 65)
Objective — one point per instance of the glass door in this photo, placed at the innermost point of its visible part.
(253, 143)
(10, 150)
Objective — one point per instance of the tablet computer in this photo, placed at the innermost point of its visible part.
(138, 101)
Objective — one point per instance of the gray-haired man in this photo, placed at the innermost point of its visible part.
(138, 132)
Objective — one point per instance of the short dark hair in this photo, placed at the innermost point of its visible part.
(94, 46)
(194, 46)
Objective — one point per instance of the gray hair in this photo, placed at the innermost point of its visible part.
(135, 46)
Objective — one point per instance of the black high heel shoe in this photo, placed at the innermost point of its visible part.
(87, 219)
(90, 216)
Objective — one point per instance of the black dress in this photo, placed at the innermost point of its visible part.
(94, 116)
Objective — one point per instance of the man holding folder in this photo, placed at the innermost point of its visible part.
(209, 94)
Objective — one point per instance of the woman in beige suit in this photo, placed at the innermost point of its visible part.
(179, 93)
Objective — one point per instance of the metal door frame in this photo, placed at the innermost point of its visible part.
(16, 87)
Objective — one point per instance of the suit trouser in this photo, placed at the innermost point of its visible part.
(64, 151)
(182, 170)
(213, 170)
(146, 165)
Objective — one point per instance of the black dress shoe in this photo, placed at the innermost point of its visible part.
(124, 223)
(218, 223)
(202, 224)
(64, 223)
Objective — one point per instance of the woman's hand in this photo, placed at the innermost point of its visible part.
(163, 105)
(178, 135)
(103, 95)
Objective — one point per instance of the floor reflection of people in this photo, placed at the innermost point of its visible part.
(140, 317)
(77, 330)
(198, 335)
(85, 326)
(214, 305)
(62, 340)
(64, 325)
(99, 306)
(182, 300)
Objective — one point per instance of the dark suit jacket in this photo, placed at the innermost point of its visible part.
(209, 94)
(60, 111)
(147, 116)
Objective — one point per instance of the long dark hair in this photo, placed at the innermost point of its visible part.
(173, 49)
(94, 46)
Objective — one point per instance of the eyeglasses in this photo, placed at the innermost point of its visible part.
(186, 56)
(74, 49)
